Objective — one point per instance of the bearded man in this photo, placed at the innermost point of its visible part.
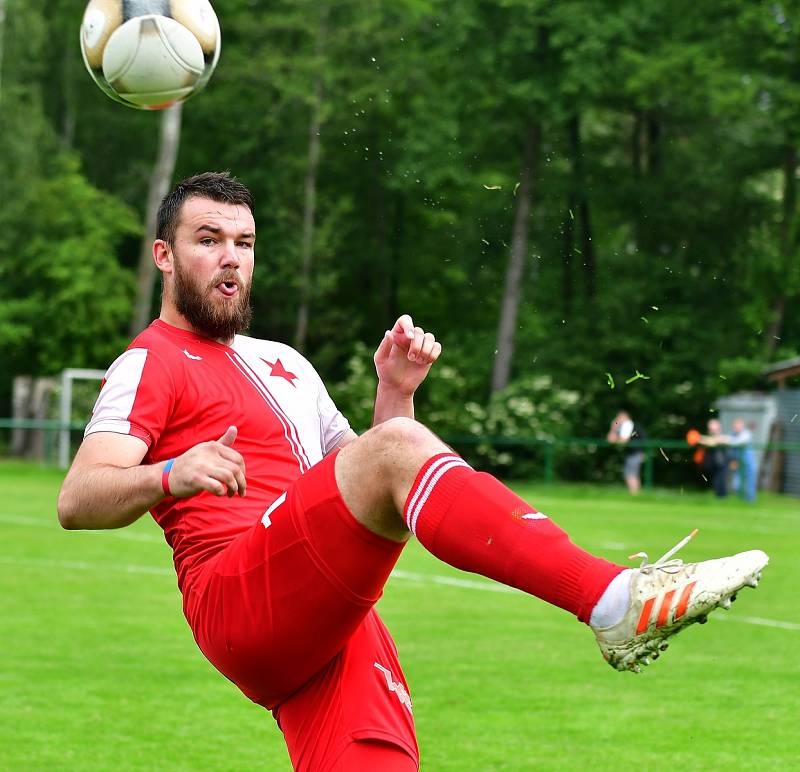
(285, 525)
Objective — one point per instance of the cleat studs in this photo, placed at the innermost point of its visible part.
(702, 620)
(664, 646)
(733, 597)
(725, 603)
(656, 655)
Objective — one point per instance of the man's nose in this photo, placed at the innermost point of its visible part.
(230, 257)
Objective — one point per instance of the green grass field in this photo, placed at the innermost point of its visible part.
(99, 670)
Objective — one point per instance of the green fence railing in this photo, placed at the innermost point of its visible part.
(57, 439)
(550, 445)
(49, 424)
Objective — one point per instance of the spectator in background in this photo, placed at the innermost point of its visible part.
(716, 459)
(623, 430)
(743, 455)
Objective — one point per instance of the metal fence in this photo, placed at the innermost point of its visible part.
(653, 449)
(54, 441)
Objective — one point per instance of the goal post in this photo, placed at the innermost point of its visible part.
(68, 376)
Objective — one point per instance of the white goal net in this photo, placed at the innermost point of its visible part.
(68, 379)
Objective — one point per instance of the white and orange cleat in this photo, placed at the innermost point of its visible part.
(667, 596)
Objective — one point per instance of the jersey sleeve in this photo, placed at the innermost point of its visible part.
(136, 398)
(333, 425)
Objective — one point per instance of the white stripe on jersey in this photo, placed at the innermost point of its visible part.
(293, 432)
(118, 394)
(289, 430)
(332, 424)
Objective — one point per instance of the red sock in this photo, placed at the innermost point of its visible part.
(473, 522)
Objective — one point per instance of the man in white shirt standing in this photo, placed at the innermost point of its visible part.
(623, 430)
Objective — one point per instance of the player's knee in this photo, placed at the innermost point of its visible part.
(400, 433)
(390, 451)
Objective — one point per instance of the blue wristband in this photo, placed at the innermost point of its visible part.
(165, 477)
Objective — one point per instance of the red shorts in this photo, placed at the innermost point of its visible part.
(286, 613)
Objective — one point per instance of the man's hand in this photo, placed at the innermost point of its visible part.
(107, 485)
(210, 466)
(405, 356)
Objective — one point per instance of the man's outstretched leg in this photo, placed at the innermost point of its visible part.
(399, 479)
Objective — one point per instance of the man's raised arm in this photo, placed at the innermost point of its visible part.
(402, 361)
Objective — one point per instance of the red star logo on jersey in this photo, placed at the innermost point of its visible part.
(279, 371)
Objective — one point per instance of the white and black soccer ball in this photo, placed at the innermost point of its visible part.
(150, 54)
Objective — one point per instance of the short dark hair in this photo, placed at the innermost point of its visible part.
(218, 186)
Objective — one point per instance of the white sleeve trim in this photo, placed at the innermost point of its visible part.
(107, 425)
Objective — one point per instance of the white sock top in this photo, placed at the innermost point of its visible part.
(614, 602)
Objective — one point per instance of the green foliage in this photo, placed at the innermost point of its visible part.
(669, 147)
(531, 407)
(64, 297)
(356, 392)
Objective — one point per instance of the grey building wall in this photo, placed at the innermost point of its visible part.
(789, 419)
(759, 411)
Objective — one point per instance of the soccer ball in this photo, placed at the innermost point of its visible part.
(150, 54)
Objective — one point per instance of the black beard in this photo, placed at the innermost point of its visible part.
(215, 321)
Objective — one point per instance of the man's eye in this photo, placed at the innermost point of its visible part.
(207, 241)
(245, 244)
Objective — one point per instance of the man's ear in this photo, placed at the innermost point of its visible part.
(162, 256)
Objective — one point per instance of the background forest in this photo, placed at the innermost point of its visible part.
(592, 204)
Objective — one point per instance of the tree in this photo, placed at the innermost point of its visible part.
(64, 297)
(310, 187)
(160, 181)
(619, 177)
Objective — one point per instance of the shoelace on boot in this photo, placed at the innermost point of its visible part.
(664, 562)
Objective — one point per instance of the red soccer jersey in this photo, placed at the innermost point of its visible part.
(174, 389)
